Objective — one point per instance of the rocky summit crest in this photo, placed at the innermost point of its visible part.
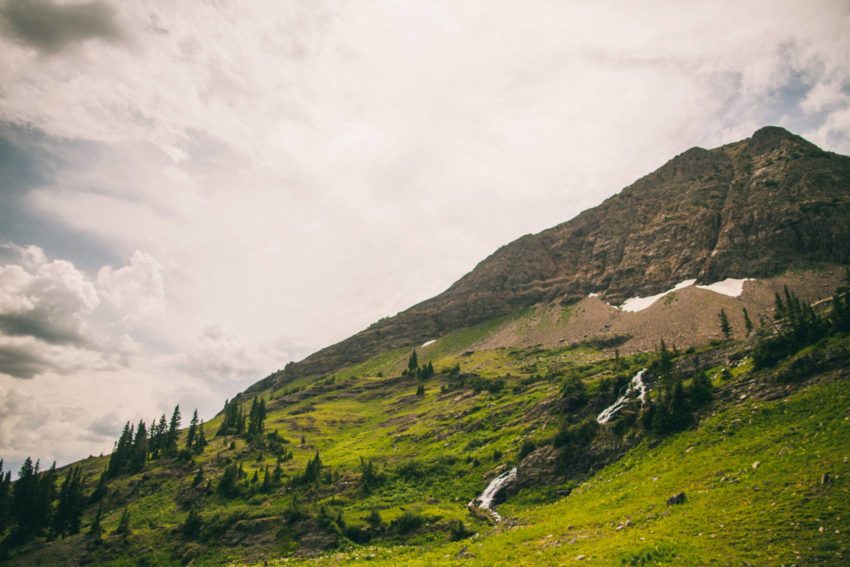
(752, 208)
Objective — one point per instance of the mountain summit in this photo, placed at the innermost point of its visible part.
(752, 208)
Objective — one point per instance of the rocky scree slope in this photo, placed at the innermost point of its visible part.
(753, 208)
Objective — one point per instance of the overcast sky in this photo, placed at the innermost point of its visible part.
(196, 192)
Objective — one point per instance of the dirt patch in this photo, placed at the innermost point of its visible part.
(683, 318)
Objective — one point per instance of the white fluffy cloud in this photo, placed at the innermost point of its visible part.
(77, 357)
(294, 171)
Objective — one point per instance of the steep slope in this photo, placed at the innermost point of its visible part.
(749, 209)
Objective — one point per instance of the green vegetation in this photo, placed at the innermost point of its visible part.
(385, 456)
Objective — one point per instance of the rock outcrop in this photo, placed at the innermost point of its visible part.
(753, 208)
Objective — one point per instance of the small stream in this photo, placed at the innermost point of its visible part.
(485, 500)
(635, 385)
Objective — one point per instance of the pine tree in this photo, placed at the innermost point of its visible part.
(173, 433)
(748, 324)
(413, 363)
(123, 528)
(193, 524)
(140, 448)
(199, 477)
(312, 473)
(420, 390)
(5, 497)
(122, 453)
(200, 439)
(96, 531)
(227, 482)
(66, 518)
(257, 417)
(100, 489)
(725, 327)
(778, 307)
(267, 484)
(24, 497)
(192, 431)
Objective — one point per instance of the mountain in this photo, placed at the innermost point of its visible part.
(520, 418)
(749, 209)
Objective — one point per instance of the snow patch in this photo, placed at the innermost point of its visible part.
(634, 304)
(592, 295)
(635, 385)
(485, 501)
(426, 343)
(732, 287)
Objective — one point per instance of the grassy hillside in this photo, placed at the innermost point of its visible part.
(401, 456)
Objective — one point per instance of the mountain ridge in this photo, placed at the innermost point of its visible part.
(751, 208)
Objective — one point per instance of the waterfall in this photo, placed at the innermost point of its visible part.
(485, 501)
(635, 385)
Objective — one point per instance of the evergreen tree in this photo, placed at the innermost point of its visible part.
(725, 327)
(5, 497)
(140, 448)
(778, 307)
(193, 524)
(192, 432)
(200, 439)
(267, 483)
(96, 531)
(278, 471)
(122, 453)
(257, 417)
(227, 482)
(199, 477)
(748, 324)
(312, 473)
(24, 497)
(123, 528)
(66, 518)
(100, 490)
(413, 363)
(173, 433)
(420, 390)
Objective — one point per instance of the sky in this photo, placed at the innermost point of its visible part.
(195, 193)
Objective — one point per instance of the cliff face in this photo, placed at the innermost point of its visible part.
(748, 209)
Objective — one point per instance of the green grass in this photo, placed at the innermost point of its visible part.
(764, 515)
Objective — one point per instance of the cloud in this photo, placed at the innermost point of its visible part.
(137, 291)
(45, 300)
(283, 174)
(21, 361)
(51, 26)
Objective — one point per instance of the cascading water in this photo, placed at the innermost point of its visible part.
(485, 501)
(635, 385)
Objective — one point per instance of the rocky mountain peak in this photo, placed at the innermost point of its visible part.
(753, 208)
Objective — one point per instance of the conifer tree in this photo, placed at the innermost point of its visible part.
(413, 363)
(23, 499)
(725, 327)
(100, 489)
(193, 524)
(199, 477)
(123, 528)
(5, 497)
(192, 432)
(173, 433)
(66, 518)
(140, 448)
(121, 454)
(267, 485)
(748, 324)
(95, 530)
(200, 439)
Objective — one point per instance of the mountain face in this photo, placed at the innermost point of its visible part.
(752, 208)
